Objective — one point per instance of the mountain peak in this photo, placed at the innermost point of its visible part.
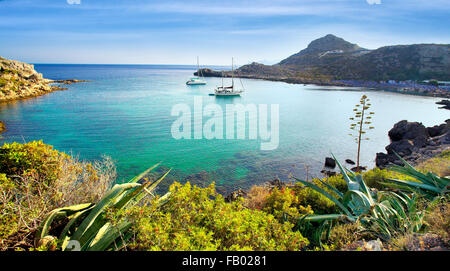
(330, 42)
(321, 49)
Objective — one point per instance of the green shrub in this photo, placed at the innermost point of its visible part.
(439, 165)
(285, 204)
(199, 219)
(31, 158)
(376, 178)
(318, 202)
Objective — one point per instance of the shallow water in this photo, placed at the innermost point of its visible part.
(124, 112)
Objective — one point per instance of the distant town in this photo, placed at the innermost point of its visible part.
(427, 87)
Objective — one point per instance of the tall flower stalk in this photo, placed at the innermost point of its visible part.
(361, 124)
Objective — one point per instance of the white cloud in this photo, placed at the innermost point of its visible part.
(372, 2)
(74, 2)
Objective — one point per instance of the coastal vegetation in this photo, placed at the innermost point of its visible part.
(49, 199)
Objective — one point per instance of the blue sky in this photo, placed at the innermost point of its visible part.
(175, 32)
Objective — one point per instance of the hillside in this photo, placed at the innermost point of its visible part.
(20, 80)
(323, 51)
(332, 58)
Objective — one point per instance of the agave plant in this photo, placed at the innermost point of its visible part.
(430, 185)
(385, 212)
(87, 226)
(396, 214)
(356, 201)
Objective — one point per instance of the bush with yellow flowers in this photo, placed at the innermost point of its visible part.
(196, 218)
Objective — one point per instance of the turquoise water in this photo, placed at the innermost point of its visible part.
(124, 112)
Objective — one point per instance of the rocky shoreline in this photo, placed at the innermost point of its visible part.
(414, 142)
(411, 140)
(20, 80)
(417, 69)
(279, 74)
(445, 103)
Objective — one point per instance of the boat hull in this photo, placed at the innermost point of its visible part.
(195, 83)
(228, 94)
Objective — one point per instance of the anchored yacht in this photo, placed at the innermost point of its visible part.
(197, 80)
(231, 90)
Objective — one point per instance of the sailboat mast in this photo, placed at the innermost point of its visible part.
(198, 67)
(232, 72)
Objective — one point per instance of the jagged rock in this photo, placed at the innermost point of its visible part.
(373, 245)
(414, 131)
(349, 161)
(20, 80)
(414, 143)
(445, 103)
(328, 173)
(437, 130)
(402, 147)
(330, 162)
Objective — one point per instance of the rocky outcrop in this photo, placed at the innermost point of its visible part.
(414, 142)
(445, 103)
(330, 162)
(330, 59)
(20, 80)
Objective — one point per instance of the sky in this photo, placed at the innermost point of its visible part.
(176, 32)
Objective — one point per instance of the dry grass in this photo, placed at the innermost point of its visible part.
(256, 197)
(440, 165)
(438, 221)
(83, 182)
(25, 200)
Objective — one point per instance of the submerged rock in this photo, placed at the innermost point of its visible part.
(328, 173)
(330, 162)
(350, 162)
(361, 168)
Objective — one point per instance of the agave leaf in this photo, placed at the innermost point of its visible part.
(107, 235)
(429, 178)
(150, 187)
(140, 176)
(93, 221)
(361, 202)
(58, 213)
(365, 189)
(333, 189)
(326, 217)
(416, 185)
(71, 225)
(351, 184)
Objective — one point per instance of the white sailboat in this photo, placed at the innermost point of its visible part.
(196, 80)
(231, 90)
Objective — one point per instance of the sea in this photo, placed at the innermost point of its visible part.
(130, 113)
